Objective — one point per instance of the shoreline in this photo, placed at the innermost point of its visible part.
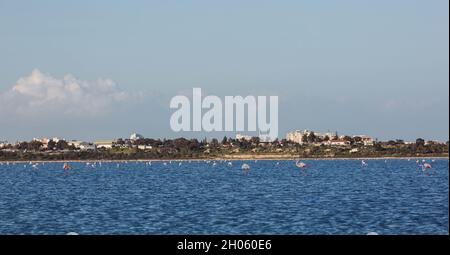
(220, 159)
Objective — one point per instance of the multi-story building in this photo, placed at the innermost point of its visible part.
(333, 139)
(365, 139)
(297, 136)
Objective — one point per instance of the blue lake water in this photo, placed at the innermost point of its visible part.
(330, 197)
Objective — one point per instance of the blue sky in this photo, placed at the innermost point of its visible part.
(358, 67)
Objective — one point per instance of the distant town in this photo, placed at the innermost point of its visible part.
(297, 144)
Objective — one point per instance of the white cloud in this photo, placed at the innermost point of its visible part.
(41, 93)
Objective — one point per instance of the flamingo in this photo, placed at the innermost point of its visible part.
(363, 163)
(426, 166)
(300, 164)
(66, 166)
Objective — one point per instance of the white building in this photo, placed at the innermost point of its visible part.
(56, 139)
(104, 144)
(339, 142)
(144, 147)
(74, 143)
(366, 140)
(136, 136)
(3, 144)
(245, 137)
(43, 140)
(81, 145)
(87, 146)
(354, 150)
(431, 142)
(296, 136)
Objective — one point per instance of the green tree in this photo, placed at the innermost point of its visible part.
(420, 142)
(255, 140)
(34, 146)
(224, 140)
(304, 138)
(62, 145)
(312, 137)
(214, 143)
(22, 146)
(357, 139)
(51, 145)
(391, 143)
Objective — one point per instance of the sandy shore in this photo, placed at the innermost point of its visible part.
(235, 158)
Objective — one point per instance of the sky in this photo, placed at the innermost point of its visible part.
(104, 69)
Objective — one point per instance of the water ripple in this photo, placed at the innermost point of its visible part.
(331, 197)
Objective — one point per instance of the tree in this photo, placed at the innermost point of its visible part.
(62, 145)
(214, 143)
(180, 143)
(51, 145)
(349, 139)
(275, 142)
(378, 147)
(420, 142)
(22, 146)
(391, 142)
(255, 140)
(319, 139)
(357, 139)
(224, 140)
(34, 145)
(194, 145)
(311, 137)
(304, 138)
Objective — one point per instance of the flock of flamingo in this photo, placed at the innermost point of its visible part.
(423, 164)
